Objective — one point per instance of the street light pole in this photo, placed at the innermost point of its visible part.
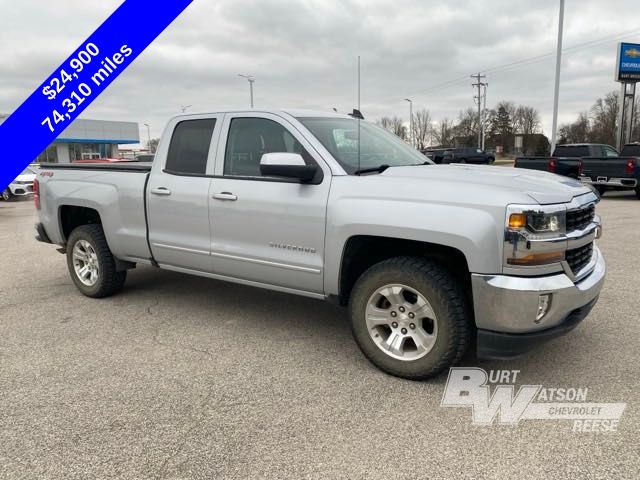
(148, 136)
(556, 92)
(410, 121)
(250, 79)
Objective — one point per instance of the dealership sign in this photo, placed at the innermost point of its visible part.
(628, 63)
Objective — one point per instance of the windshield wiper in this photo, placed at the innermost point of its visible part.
(378, 169)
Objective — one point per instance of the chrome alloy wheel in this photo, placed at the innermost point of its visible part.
(85, 263)
(401, 322)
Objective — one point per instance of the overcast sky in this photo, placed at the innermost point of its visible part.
(303, 54)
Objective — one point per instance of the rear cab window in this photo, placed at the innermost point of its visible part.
(571, 151)
(631, 151)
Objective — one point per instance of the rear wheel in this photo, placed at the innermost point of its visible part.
(409, 317)
(638, 193)
(601, 189)
(91, 264)
(6, 195)
(462, 160)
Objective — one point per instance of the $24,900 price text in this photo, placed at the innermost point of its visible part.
(82, 91)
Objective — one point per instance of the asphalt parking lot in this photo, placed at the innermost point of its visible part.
(183, 377)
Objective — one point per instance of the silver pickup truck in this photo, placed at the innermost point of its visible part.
(428, 258)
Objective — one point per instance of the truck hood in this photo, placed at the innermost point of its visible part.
(543, 187)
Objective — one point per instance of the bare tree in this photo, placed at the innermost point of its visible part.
(386, 123)
(443, 133)
(526, 122)
(604, 117)
(422, 128)
(399, 128)
(394, 125)
(576, 132)
(467, 126)
(635, 129)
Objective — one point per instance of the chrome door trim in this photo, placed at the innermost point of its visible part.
(266, 262)
(181, 249)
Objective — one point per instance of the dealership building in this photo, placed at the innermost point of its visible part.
(89, 139)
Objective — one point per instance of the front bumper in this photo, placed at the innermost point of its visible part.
(507, 306)
(21, 189)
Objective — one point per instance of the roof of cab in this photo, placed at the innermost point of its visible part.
(294, 112)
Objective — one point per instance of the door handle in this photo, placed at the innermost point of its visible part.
(225, 196)
(161, 191)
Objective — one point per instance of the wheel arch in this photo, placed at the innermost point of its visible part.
(361, 252)
(71, 217)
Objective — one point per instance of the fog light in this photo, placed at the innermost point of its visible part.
(544, 302)
(599, 231)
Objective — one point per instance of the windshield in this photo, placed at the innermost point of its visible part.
(377, 146)
(28, 171)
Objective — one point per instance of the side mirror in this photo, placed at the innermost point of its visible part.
(287, 165)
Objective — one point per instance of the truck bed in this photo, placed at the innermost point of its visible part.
(113, 167)
(116, 191)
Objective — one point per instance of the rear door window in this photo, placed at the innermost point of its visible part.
(609, 152)
(189, 147)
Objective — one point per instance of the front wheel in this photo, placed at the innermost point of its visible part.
(6, 195)
(638, 193)
(601, 189)
(410, 317)
(91, 264)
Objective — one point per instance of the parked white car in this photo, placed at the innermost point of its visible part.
(22, 185)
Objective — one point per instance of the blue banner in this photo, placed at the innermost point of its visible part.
(81, 78)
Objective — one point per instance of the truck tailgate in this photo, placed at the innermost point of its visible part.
(608, 167)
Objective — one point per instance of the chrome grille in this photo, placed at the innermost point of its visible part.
(579, 218)
(579, 257)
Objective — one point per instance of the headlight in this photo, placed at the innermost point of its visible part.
(538, 222)
(532, 235)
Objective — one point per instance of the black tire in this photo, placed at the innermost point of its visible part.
(6, 195)
(109, 280)
(638, 193)
(491, 161)
(462, 160)
(449, 304)
(601, 190)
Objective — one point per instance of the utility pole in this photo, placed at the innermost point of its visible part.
(250, 79)
(410, 121)
(479, 85)
(556, 92)
(484, 115)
